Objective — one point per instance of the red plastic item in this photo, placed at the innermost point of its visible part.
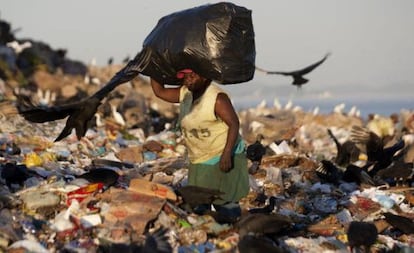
(83, 192)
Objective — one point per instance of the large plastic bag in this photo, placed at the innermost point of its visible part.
(215, 40)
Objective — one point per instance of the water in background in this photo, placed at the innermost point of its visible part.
(383, 104)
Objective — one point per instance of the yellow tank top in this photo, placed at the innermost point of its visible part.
(204, 133)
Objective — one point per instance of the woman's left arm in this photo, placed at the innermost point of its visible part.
(225, 110)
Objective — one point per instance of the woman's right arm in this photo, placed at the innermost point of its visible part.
(171, 95)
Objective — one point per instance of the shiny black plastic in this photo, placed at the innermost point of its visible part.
(215, 40)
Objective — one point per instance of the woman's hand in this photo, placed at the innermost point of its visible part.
(226, 162)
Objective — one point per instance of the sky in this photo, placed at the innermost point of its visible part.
(371, 44)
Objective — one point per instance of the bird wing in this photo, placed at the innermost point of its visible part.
(329, 172)
(358, 175)
(80, 117)
(373, 143)
(333, 137)
(299, 72)
(272, 72)
(392, 150)
(366, 178)
(79, 113)
(41, 114)
(311, 67)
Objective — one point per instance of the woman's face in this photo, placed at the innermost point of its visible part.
(194, 82)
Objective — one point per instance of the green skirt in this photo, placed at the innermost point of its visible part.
(234, 184)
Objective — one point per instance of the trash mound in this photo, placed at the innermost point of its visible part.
(117, 186)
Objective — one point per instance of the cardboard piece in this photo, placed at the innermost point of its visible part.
(132, 208)
(153, 189)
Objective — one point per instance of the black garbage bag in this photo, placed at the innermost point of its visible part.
(215, 40)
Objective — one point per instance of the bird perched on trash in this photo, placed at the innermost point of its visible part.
(255, 153)
(106, 176)
(197, 195)
(154, 243)
(298, 79)
(399, 172)
(375, 148)
(257, 244)
(16, 173)
(102, 162)
(347, 152)
(361, 234)
(404, 224)
(267, 208)
(263, 224)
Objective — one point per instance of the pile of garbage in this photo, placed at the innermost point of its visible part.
(117, 188)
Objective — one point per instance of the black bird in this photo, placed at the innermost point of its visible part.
(404, 224)
(260, 198)
(347, 152)
(263, 224)
(267, 208)
(106, 176)
(255, 153)
(99, 162)
(196, 195)
(81, 113)
(399, 172)
(297, 75)
(361, 234)
(16, 173)
(358, 175)
(375, 148)
(329, 172)
(220, 217)
(110, 61)
(154, 243)
(257, 244)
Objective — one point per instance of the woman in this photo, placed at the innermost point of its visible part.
(210, 128)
